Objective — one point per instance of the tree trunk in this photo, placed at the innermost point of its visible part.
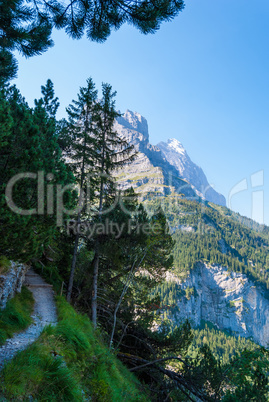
(73, 267)
(94, 288)
(96, 259)
(126, 287)
(75, 252)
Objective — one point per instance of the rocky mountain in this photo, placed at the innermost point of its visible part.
(163, 169)
(11, 281)
(221, 260)
(229, 300)
(177, 156)
(221, 269)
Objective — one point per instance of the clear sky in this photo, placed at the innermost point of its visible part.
(203, 78)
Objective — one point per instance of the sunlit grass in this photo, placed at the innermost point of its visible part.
(4, 264)
(17, 314)
(68, 362)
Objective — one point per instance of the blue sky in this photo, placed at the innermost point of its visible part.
(203, 78)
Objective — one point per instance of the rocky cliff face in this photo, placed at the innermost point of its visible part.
(162, 169)
(11, 282)
(177, 156)
(149, 173)
(227, 299)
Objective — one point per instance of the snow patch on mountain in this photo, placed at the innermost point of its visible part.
(176, 145)
(176, 155)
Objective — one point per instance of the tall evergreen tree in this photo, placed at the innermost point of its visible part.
(82, 120)
(113, 152)
(97, 150)
(29, 145)
(48, 101)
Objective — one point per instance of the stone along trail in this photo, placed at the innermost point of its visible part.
(44, 314)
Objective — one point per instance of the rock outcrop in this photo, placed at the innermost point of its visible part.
(11, 282)
(227, 299)
(149, 173)
(162, 169)
(177, 156)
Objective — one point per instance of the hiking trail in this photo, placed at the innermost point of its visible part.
(44, 313)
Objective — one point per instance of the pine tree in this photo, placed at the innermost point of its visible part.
(98, 19)
(23, 28)
(26, 26)
(82, 118)
(49, 102)
(29, 145)
(113, 152)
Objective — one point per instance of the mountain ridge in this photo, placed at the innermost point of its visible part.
(177, 156)
(164, 168)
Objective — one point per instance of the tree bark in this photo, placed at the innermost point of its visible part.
(73, 267)
(94, 288)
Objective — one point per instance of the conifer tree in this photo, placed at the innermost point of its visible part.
(82, 117)
(113, 152)
(97, 19)
(48, 101)
(29, 145)
(97, 151)
(26, 26)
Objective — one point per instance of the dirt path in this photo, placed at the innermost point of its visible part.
(44, 314)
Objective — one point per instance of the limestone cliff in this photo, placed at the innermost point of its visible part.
(11, 282)
(227, 299)
(177, 156)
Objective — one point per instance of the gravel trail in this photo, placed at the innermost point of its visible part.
(44, 314)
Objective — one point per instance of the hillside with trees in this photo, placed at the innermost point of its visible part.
(209, 233)
(106, 254)
(131, 242)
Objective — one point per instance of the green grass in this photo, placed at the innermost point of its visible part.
(17, 314)
(4, 265)
(68, 362)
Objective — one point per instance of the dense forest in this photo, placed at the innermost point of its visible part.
(209, 233)
(223, 345)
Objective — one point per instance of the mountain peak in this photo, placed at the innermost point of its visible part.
(165, 167)
(134, 126)
(176, 145)
(133, 117)
(176, 155)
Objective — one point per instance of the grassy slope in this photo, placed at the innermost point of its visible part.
(17, 314)
(4, 264)
(68, 363)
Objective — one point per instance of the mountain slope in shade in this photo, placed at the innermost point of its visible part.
(163, 169)
(177, 156)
